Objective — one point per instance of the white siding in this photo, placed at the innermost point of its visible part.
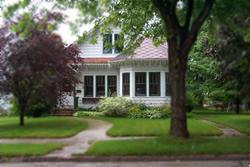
(96, 50)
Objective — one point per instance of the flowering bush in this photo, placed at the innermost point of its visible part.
(114, 106)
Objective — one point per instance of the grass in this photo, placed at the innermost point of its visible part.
(13, 150)
(172, 146)
(46, 127)
(240, 122)
(149, 127)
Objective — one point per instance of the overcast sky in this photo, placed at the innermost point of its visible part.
(63, 29)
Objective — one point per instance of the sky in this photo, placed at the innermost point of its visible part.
(64, 29)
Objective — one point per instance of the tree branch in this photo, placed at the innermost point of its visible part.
(189, 13)
(196, 25)
(167, 9)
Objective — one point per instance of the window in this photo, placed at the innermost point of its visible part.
(88, 86)
(154, 83)
(126, 84)
(167, 84)
(100, 86)
(112, 86)
(107, 43)
(140, 84)
(118, 43)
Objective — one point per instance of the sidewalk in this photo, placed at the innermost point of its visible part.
(133, 164)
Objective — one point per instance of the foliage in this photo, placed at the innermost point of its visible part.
(35, 66)
(135, 111)
(189, 102)
(203, 72)
(14, 108)
(38, 109)
(235, 63)
(88, 114)
(114, 106)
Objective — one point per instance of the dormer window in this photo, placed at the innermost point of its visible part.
(107, 43)
(118, 43)
(112, 44)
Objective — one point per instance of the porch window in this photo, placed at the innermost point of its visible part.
(167, 84)
(154, 83)
(100, 86)
(126, 84)
(88, 86)
(140, 84)
(112, 90)
(107, 43)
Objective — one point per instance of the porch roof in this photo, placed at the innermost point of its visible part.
(147, 51)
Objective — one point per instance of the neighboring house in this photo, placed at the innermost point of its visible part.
(104, 72)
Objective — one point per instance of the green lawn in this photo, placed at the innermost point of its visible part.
(157, 127)
(46, 127)
(13, 150)
(172, 146)
(239, 122)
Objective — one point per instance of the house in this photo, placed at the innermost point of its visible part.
(142, 77)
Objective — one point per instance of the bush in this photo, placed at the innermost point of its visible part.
(38, 109)
(14, 108)
(189, 103)
(114, 106)
(150, 112)
(88, 114)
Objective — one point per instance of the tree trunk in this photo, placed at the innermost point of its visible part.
(177, 68)
(237, 105)
(21, 116)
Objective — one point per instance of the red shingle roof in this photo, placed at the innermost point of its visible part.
(146, 51)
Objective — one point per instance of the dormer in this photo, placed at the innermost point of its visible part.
(106, 46)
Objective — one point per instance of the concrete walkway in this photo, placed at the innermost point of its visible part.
(227, 131)
(133, 164)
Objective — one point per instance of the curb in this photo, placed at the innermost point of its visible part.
(127, 158)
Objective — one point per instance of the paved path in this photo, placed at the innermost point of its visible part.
(227, 131)
(133, 164)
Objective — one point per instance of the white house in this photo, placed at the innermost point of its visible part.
(104, 72)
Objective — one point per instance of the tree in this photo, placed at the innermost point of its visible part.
(175, 21)
(203, 70)
(37, 64)
(235, 64)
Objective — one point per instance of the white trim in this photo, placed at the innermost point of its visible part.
(163, 84)
(131, 87)
(106, 85)
(147, 84)
(94, 86)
